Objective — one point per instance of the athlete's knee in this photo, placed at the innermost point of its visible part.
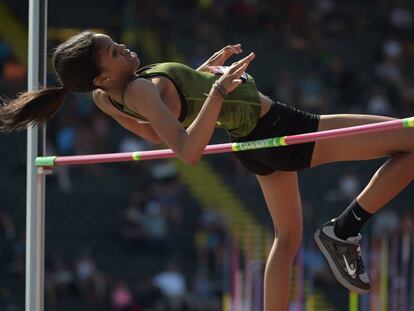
(289, 243)
(405, 143)
(411, 139)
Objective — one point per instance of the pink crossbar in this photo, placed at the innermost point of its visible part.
(229, 147)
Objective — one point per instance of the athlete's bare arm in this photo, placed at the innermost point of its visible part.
(143, 130)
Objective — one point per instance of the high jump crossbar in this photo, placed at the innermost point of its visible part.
(51, 161)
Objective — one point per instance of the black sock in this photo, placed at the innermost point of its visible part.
(350, 222)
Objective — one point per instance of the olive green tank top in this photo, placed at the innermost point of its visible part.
(240, 110)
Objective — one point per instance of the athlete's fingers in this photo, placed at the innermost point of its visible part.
(239, 71)
(229, 50)
(248, 58)
(239, 63)
(233, 47)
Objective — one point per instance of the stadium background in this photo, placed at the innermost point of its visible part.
(162, 236)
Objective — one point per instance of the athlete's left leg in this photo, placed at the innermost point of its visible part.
(392, 177)
(396, 173)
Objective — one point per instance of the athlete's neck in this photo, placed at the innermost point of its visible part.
(116, 91)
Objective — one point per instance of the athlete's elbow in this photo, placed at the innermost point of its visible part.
(194, 161)
(191, 159)
(156, 140)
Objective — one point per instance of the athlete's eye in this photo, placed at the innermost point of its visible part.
(114, 53)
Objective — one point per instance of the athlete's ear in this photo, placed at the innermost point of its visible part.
(102, 81)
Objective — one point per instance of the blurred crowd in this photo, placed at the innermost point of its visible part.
(341, 56)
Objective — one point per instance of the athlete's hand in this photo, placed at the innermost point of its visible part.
(231, 78)
(220, 57)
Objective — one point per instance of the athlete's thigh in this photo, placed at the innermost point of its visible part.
(362, 146)
(282, 196)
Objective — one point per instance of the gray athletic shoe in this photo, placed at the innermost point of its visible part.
(344, 258)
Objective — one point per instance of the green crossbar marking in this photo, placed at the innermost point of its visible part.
(280, 141)
(45, 161)
(408, 122)
(136, 156)
(259, 144)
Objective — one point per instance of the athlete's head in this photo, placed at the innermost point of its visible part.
(117, 63)
(83, 63)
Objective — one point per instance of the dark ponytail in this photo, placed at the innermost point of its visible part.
(29, 108)
(76, 64)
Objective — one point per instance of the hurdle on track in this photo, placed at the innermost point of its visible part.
(51, 161)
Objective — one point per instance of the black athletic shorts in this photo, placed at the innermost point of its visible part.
(281, 120)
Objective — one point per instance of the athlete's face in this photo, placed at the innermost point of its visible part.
(117, 62)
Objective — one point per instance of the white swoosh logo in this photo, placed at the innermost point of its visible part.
(350, 271)
(357, 218)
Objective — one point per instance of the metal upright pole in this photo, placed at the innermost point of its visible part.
(35, 179)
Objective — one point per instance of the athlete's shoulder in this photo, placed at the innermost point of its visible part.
(101, 99)
(141, 88)
(99, 96)
(166, 65)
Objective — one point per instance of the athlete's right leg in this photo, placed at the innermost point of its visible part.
(282, 196)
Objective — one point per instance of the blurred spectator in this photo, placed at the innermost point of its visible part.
(7, 227)
(206, 291)
(349, 185)
(384, 223)
(392, 49)
(17, 266)
(13, 77)
(311, 93)
(85, 139)
(100, 127)
(316, 266)
(347, 188)
(172, 284)
(285, 88)
(5, 53)
(65, 139)
(146, 223)
(90, 281)
(131, 229)
(401, 17)
(389, 72)
(64, 277)
(210, 238)
(131, 143)
(324, 7)
(122, 299)
(59, 280)
(407, 98)
(8, 237)
(153, 221)
(341, 84)
(203, 285)
(407, 223)
(166, 191)
(378, 103)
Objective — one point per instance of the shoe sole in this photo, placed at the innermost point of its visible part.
(334, 269)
